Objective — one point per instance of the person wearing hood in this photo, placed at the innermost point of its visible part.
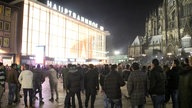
(73, 86)
(53, 81)
(157, 84)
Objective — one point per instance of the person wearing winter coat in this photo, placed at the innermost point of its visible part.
(104, 72)
(53, 82)
(112, 86)
(38, 79)
(185, 86)
(12, 79)
(172, 83)
(26, 81)
(137, 87)
(91, 85)
(73, 86)
(157, 84)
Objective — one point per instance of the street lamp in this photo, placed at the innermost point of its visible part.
(116, 56)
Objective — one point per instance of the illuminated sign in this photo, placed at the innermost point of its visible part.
(73, 14)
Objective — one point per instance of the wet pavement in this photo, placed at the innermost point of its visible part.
(60, 104)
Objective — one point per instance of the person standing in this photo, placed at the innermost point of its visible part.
(38, 79)
(104, 73)
(91, 85)
(26, 81)
(172, 82)
(18, 87)
(74, 82)
(112, 86)
(65, 72)
(157, 84)
(126, 72)
(137, 87)
(12, 79)
(185, 86)
(2, 80)
(53, 81)
(120, 69)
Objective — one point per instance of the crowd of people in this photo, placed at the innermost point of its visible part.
(160, 82)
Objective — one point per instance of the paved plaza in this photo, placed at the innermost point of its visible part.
(60, 103)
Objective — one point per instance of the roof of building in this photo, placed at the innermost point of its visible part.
(186, 37)
(138, 41)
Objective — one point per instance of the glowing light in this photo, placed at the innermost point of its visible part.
(39, 54)
(169, 54)
(117, 52)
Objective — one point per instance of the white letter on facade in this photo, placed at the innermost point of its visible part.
(49, 3)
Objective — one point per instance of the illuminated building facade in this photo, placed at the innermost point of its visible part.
(168, 30)
(8, 39)
(50, 36)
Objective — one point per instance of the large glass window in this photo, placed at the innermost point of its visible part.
(62, 36)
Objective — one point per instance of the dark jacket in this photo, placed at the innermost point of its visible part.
(173, 78)
(12, 76)
(104, 73)
(91, 81)
(38, 78)
(74, 80)
(157, 81)
(126, 74)
(185, 88)
(112, 85)
(65, 72)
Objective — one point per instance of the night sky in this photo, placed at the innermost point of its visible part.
(124, 19)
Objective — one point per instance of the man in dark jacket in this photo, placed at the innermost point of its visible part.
(12, 79)
(73, 86)
(91, 85)
(157, 84)
(112, 86)
(126, 72)
(104, 72)
(172, 82)
(38, 79)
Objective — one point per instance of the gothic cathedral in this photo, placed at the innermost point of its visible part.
(172, 20)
